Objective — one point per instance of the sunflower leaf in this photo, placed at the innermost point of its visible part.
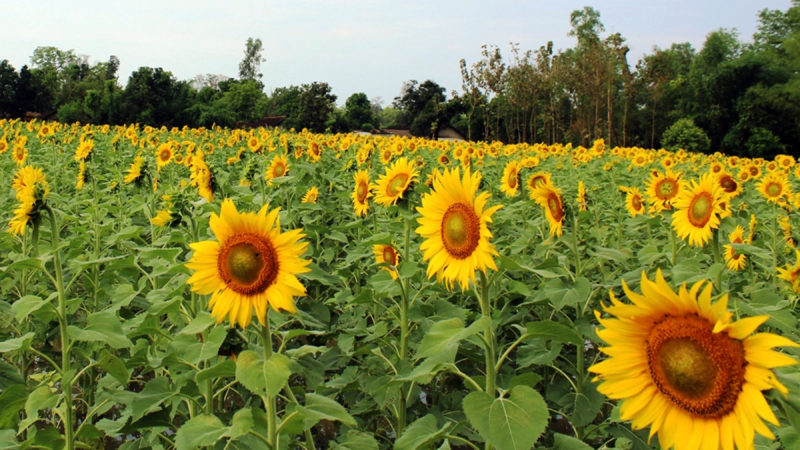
(199, 431)
(511, 423)
(262, 376)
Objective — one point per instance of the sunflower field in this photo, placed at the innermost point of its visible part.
(238, 289)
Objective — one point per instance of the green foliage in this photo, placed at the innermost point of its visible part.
(684, 134)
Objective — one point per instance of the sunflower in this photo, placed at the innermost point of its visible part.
(31, 188)
(454, 224)
(163, 217)
(3, 144)
(386, 155)
(549, 198)
(314, 151)
(681, 366)
(135, 171)
(250, 265)
(393, 184)
(728, 183)
(387, 254)
(509, 185)
(754, 171)
(633, 202)
(662, 189)
(311, 195)
(278, 167)
(19, 154)
(775, 188)
(581, 198)
(443, 159)
(536, 179)
(697, 211)
(80, 179)
(84, 149)
(792, 273)
(361, 193)
(785, 225)
(253, 144)
(163, 155)
(735, 261)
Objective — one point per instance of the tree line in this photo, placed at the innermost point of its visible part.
(734, 96)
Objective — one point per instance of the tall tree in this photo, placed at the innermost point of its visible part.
(358, 111)
(250, 67)
(315, 105)
(9, 79)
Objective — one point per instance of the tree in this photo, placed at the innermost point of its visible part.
(684, 134)
(251, 64)
(358, 111)
(9, 79)
(424, 108)
(155, 97)
(314, 106)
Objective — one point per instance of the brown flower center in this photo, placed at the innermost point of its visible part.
(247, 263)
(512, 179)
(279, 170)
(666, 189)
(461, 230)
(728, 184)
(700, 209)
(773, 189)
(700, 371)
(636, 201)
(389, 255)
(397, 185)
(361, 192)
(554, 205)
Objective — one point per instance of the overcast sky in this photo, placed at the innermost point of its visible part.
(369, 46)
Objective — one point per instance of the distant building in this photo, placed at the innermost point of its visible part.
(450, 134)
(446, 134)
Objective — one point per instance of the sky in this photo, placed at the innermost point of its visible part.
(370, 46)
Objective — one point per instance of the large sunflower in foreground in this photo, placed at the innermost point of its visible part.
(454, 224)
(361, 193)
(697, 210)
(391, 186)
(251, 265)
(683, 367)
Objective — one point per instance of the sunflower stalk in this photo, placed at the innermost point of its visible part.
(269, 400)
(67, 377)
(490, 340)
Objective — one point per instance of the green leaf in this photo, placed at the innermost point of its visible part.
(510, 423)
(222, 369)
(564, 442)
(242, 423)
(261, 376)
(150, 398)
(574, 296)
(8, 440)
(189, 347)
(27, 305)
(554, 331)
(17, 343)
(114, 366)
(318, 407)
(198, 324)
(356, 440)
(445, 335)
(199, 431)
(419, 433)
(104, 327)
(13, 401)
(41, 398)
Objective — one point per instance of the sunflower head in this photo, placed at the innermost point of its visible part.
(510, 183)
(361, 193)
(387, 254)
(698, 208)
(392, 185)
(251, 265)
(454, 223)
(735, 261)
(549, 198)
(678, 362)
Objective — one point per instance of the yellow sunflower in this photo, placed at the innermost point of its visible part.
(536, 179)
(662, 189)
(792, 273)
(163, 155)
(251, 265)
(84, 149)
(683, 367)
(3, 144)
(386, 155)
(311, 195)
(393, 184)
(31, 188)
(135, 170)
(163, 217)
(278, 167)
(775, 188)
(633, 202)
(19, 154)
(728, 183)
(581, 198)
(454, 224)
(735, 261)
(361, 193)
(549, 198)
(385, 253)
(697, 211)
(510, 183)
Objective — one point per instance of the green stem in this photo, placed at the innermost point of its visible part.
(401, 407)
(272, 435)
(489, 337)
(307, 432)
(67, 380)
(575, 246)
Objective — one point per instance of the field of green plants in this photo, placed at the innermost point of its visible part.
(434, 294)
